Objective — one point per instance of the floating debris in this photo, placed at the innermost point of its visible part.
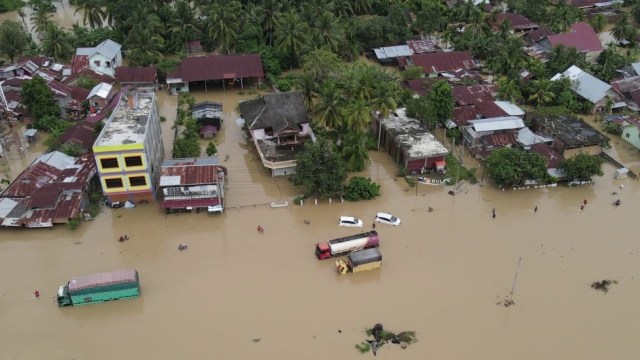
(256, 340)
(381, 337)
(506, 302)
(603, 285)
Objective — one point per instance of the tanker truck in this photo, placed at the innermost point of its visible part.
(363, 260)
(347, 244)
(99, 287)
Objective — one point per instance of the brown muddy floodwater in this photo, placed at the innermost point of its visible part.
(443, 275)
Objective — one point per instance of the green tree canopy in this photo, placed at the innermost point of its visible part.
(440, 98)
(38, 99)
(511, 167)
(361, 188)
(582, 167)
(13, 39)
(320, 170)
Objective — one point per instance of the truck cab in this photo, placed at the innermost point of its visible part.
(323, 251)
(64, 299)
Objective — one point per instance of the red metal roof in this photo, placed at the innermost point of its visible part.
(462, 114)
(79, 93)
(419, 86)
(87, 72)
(472, 94)
(422, 46)
(213, 67)
(81, 134)
(79, 63)
(59, 89)
(635, 95)
(190, 203)
(516, 21)
(489, 109)
(444, 61)
(501, 139)
(534, 36)
(191, 174)
(553, 157)
(138, 74)
(582, 37)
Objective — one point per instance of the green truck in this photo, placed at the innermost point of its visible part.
(99, 287)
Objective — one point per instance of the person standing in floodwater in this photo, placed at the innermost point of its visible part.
(584, 202)
(535, 209)
(493, 213)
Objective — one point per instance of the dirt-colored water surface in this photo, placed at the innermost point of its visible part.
(444, 273)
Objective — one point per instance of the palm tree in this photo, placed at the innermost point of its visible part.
(330, 33)
(330, 107)
(223, 24)
(22, 15)
(343, 8)
(384, 99)
(13, 39)
(142, 17)
(145, 47)
(509, 89)
(290, 34)
(271, 12)
(307, 85)
(623, 28)
(541, 92)
(41, 22)
(598, 23)
(357, 116)
(362, 7)
(57, 43)
(355, 151)
(92, 13)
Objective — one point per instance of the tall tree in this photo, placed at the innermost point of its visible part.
(145, 47)
(92, 13)
(320, 170)
(440, 98)
(307, 85)
(41, 21)
(272, 10)
(321, 64)
(541, 93)
(509, 89)
(38, 99)
(384, 100)
(362, 7)
(623, 29)
(598, 22)
(355, 151)
(290, 34)
(57, 43)
(582, 167)
(223, 24)
(328, 31)
(330, 106)
(13, 39)
(357, 115)
(511, 166)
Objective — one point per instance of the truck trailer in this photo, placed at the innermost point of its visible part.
(363, 260)
(99, 287)
(347, 244)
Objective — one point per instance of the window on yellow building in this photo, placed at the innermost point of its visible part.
(137, 181)
(109, 163)
(113, 183)
(133, 160)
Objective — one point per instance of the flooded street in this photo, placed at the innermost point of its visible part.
(443, 272)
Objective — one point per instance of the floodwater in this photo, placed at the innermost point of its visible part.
(444, 272)
(65, 16)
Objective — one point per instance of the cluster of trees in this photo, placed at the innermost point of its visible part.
(187, 130)
(322, 172)
(512, 167)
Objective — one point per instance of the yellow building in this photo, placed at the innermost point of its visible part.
(129, 149)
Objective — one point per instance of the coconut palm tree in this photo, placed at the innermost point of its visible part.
(509, 89)
(541, 93)
(329, 31)
(362, 7)
(290, 34)
(384, 98)
(57, 43)
(145, 47)
(307, 85)
(598, 23)
(623, 28)
(142, 17)
(330, 106)
(357, 116)
(13, 39)
(343, 8)
(354, 150)
(41, 21)
(22, 15)
(223, 24)
(92, 13)
(272, 10)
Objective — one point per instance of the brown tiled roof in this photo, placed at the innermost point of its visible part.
(582, 37)
(444, 61)
(218, 67)
(138, 74)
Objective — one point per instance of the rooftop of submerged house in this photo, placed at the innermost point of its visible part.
(128, 122)
(411, 136)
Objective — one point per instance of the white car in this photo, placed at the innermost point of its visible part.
(387, 219)
(350, 221)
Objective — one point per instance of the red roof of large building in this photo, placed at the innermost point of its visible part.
(553, 157)
(444, 61)
(81, 134)
(219, 67)
(582, 37)
(137, 74)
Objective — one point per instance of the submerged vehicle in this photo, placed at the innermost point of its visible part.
(347, 244)
(99, 287)
(363, 260)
